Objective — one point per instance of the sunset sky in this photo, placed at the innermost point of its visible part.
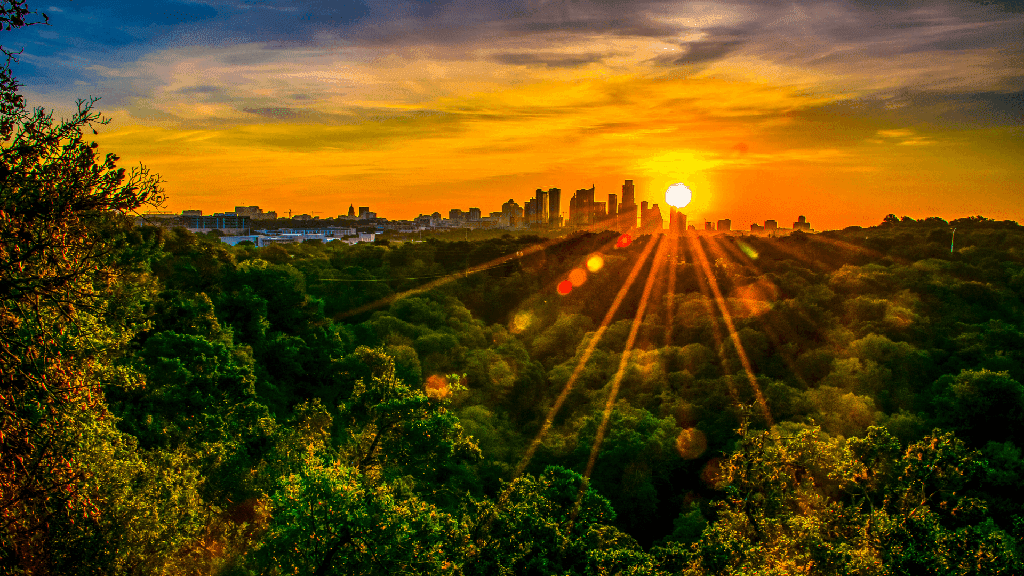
(842, 111)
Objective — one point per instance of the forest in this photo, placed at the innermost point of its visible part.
(846, 402)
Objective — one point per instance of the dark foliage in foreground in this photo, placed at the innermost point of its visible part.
(842, 403)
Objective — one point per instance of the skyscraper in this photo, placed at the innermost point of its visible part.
(581, 207)
(677, 221)
(542, 207)
(626, 216)
(628, 198)
(351, 211)
(613, 205)
(554, 206)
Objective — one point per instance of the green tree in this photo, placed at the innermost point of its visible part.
(64, 214)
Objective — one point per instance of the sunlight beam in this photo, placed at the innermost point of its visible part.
(659, 258)
(733, 335)
(588, 351)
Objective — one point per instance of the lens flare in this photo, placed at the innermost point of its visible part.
(437, 387)
(624, 240)
(595, 263)
(577, 277)
(748, 250)
(521, 321)
(564, 287)
(678, 195)
(691, 443)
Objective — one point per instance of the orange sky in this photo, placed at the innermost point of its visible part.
(843, 111)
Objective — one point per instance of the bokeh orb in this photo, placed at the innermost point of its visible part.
(678, 195)
(564, 287)
(595, 263)
(691, 443)
(577, 277)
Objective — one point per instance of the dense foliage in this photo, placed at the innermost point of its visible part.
(842, 403)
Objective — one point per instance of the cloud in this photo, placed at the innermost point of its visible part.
(554, 60)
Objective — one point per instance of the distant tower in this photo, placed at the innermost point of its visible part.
(542, 208)
(554, 206)
(351, 211)
(724, 225)
(613, 205)
(628, 197)
(676, 222)
(801, 224)
(627, 209)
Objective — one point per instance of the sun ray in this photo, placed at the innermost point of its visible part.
(716, 330)
(727, 249)
(581, 364)
(659, 258)
(453, 276)
(733, 334)
(673, 261)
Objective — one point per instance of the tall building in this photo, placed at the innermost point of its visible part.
(542, 208)
(555, 207)
(626, 214)
(530, 211)
(650, 218)
(613, 205)
(628, 197)
(801, 224)
(771, 225)
(676, 222)
(363, 211)
(724, 225)
(709, 226)
(474, 214)
(581, 207)
(511, 214)
(351, 211)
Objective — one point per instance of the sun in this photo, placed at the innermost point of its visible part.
(678, 195)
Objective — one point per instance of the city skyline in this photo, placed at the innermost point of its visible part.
(854, 109)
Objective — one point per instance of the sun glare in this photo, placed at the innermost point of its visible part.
(678, 195)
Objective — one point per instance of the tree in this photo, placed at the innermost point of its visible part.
(66, 309)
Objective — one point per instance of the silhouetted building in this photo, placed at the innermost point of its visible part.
(474, 214)
(801, 224)
(755, 227)
(600, 214)
(709, 226)
(676, 221)
(511, 214)
(771, 225)
(227, 223)
(628, 196)
(351, 211)
(191, 212)
(724, 225)
(626, 215)
(650, 218)
(581, 207)
(543, 208)
(613, 205)
(456, 217)
(554, 207)
(363, 211)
